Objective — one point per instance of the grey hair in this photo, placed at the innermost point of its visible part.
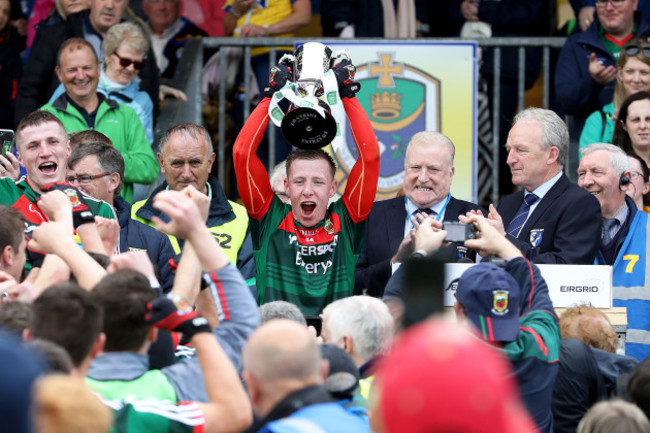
(554, 129)
(187, 131)
(614, 415)
(281, 310)
(109, 158)
(617, 158)
(433, 137)
(127, 32)
(366, 319)
(280, 170)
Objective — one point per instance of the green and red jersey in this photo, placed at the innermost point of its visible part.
(308, 266)
(155, 416)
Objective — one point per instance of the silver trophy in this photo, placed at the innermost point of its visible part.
(303, 126)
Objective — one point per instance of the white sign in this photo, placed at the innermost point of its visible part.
(568, 285)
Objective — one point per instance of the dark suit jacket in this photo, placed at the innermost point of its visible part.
(567, 219)
(384, 233)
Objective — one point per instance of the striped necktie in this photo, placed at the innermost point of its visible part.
(522, 214)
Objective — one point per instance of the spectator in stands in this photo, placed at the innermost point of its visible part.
(97, 169)
(432, 377)
(15, 317)
(586, 69)
(551, 220)
(39, 80)
(277, 178)
(42, 145)
(169, 31)
(374, 18)
(82, 107)
(10, 68)
(363, 327)
(118, 77)
(281, 310)
(640, 182)
(584, 11)
(512, 309)
(428, 173)
(282, 368)
(46, 12)
(633, 125)
(605, 172)
(12, 243)
(614, 415)
(590, 325)
(186, 158)
(638, 386)
(632, 75)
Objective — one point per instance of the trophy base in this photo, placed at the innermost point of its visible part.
(307, 129)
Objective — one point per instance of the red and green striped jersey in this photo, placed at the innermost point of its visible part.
(155, 416)
(309, 267)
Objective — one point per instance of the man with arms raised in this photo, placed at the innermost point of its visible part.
(550, 220)
(306, 252)
(428, 172)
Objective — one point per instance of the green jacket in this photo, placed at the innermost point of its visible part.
(121, 124)
(599, 127)
(23, 198)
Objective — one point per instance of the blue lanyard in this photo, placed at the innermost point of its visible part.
(438, 217)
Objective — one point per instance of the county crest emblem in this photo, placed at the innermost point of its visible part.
(500, 302)
(400, 100)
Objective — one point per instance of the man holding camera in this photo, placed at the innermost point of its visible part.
(428, 172)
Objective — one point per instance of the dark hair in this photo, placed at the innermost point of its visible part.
(110, 159)
(74, 44)
(38, 118)
(12, 228)
(15, 317)
(80, 137)
(311, 155)
(55, 357)
(646, 175)
(638, 386)
(124, 294)
(621, 137)
(69, 316)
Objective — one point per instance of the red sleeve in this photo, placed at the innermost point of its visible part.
(361, 188)
(252, 179)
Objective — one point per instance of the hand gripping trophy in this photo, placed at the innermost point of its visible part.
(312, 81)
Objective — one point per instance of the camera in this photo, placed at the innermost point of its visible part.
(459, 232)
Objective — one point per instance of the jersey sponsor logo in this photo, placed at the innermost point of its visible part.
(400, 100)
(322, 253)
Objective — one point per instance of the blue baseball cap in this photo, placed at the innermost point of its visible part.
(491, 299)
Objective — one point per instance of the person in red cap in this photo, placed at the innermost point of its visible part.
(454, 383)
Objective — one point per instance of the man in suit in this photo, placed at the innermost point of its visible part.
(428, 172)
(550, 220)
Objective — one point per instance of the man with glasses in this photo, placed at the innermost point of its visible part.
(97, 169)
(586, 69)
(81, 107)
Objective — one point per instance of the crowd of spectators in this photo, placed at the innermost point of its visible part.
(137, 295)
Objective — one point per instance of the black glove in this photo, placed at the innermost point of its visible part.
(80, 212)
(278, 77)
(344, 71)
(164, 314)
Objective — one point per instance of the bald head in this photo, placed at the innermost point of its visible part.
(283, 350)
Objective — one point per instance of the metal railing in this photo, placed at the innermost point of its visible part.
(189, 73)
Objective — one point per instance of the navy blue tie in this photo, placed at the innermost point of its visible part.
(522, 214)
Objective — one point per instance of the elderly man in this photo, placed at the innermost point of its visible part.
(97, 169)
(306, 252)
(283, 371)
(550, 220)
(363, 327)
(586, 69)
(604, 171)
(428, 173)
(43, 150)
(81, 107)
(169, 31)
(186, 158)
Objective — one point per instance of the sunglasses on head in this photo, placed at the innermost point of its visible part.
(125, 63)
(633, 50)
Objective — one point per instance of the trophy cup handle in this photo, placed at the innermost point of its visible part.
(288, 57)
(338, 56)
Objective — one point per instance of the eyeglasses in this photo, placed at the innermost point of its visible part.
(635, 174)
(85, 178)
(633, 50)
(603, 3)
(125, 63)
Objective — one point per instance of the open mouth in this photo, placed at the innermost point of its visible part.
(422, 188)
(48, 168)
(308, 207)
